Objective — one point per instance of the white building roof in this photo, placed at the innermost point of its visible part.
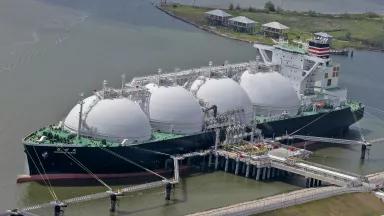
(242, 19)
(275, 25)
(323, 34)
(218, 13)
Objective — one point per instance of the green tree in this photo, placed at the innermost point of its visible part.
(269, 6)
(251, 9)
(231, 6)
(348, 36)
(238, 7)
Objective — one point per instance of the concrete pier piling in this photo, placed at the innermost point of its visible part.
(247, 170)
(254, 170)
(258, 174)
(264, 173)
(268, 173)
(216, 161)
(226, 164)
(237, 166)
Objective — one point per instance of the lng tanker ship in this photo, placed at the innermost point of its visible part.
(284, 90)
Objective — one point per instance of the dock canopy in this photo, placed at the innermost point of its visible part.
(217, 17)
(242, 24)
(275, 30)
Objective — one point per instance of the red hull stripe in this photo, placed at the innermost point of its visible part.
(319, 49)
(79, 176)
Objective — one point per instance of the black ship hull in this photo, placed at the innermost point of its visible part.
(54, 160)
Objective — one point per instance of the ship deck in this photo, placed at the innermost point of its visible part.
(352, 104)
(56, 135)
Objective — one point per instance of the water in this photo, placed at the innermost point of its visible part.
(53, 50)
(323, 6)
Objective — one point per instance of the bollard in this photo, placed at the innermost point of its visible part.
(168, 190)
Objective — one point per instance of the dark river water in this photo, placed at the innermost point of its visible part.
(52, 50)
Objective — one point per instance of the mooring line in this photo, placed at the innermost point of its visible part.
(45, 173)
(87, 170)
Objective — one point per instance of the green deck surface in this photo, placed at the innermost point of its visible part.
(56, 135)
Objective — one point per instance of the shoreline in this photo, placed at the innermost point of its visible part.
(211, 30)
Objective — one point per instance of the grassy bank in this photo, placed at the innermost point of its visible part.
(349, 30)
(357, 204)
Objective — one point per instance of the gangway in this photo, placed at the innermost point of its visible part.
(363, 143)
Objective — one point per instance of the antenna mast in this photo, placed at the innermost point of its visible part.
(81, 102)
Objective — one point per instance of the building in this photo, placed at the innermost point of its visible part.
(275, 30)
(242, 24)
(217, 17)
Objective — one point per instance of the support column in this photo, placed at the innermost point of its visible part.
(216, 161)
(168, 189)
(258, 174)
(210, 160)
(237, 166)
(254, 170)
(363, 150)
(226, 164)
(264, 173)
(272, 172)
(243, 168)
(311, 182)
(307, 182)
(59, 208)
(268, 173)
(247, 170)
(314, 182)
(319, 183)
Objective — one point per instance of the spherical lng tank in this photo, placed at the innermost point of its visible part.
(226, 94)
(270, 93)
(112, 119)
(174, 109)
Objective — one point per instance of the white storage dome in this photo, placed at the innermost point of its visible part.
(226, 94)
(112, 119)
(270, 93)
(174, 109)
